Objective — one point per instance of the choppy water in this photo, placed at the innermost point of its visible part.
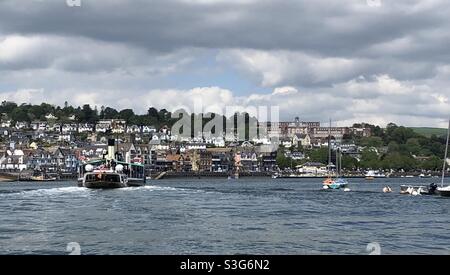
(212, 216)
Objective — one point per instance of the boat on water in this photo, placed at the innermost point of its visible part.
(445, 190)
(419, 189)
(371, 175)
(5, 177)
(111, 172)
(42, 177)
(338, 182)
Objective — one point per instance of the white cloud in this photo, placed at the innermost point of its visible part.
(410, 104)
(83, 55)
(322, 58)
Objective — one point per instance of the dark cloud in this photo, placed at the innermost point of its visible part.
(330, 50)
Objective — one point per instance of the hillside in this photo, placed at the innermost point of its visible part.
(428, 132)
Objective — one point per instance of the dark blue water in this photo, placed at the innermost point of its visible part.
(248, 216)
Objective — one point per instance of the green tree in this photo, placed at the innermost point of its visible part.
(370, 159)
(413, 146)
(282, 161)
(87, 114)
(349, 162)
(319, 155)
(110, 113)
(127, 114)
(371, 141)
(19, 114)
(433, 163)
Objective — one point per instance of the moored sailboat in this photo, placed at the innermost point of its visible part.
(445, 191)
(339, 181)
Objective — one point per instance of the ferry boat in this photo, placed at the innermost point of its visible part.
(111, 172)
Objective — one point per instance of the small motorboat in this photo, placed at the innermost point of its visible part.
(419, 190)
(444, 191)
(387, 189)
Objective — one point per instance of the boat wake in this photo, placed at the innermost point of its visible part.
(73, 190)
(45, 192)
(151, 188)
(54, 191)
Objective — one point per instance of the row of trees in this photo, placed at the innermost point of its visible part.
(83, 114)
(87, 114)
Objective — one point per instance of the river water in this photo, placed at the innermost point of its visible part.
(215, 216)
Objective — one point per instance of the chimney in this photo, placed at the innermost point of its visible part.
(111, 148)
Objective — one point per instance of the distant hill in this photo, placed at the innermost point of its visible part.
(428, 132)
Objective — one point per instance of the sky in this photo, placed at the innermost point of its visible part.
(373, 61)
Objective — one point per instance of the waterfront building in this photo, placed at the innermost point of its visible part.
(303, 140)
(312, 168)
(66, 160)
(13, 162)
(249, 159)
(221, 159)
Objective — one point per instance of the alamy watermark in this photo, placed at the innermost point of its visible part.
(374, 3)
(373, 248)
(231, 123)
(73, 248)
(73, 3)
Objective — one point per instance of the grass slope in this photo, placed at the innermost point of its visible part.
(428, 132)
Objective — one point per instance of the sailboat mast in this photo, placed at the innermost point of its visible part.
(445, 156)
(340, 161)
(329, 147)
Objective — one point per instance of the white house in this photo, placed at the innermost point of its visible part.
(302, 139)
(65, 137)
(50, 116)
(148, 129)
(219, 142)
(85, 128)
(133, 129)
(55, 128)
(21, 125)
(69, 128)
(196, 146)
(13, 163)
(286, 142)
(39, 125)
(6, 123)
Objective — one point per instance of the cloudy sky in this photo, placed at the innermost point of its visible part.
(352, 60)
